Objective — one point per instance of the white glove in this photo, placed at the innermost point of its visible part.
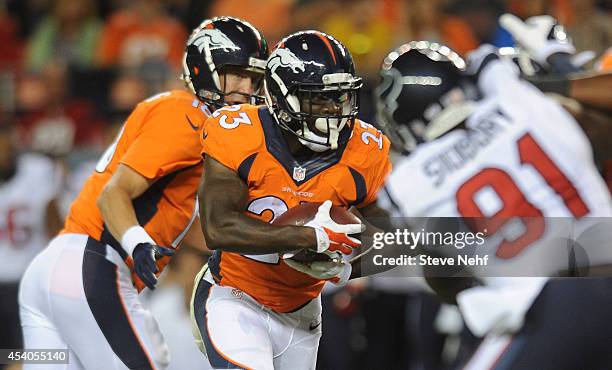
(479, 58)
(332, 236)
(338, 272)
(533, 36)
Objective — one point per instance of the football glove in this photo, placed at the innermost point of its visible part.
(144, 256)
(332, 236)
(478, 59)
(337, 272)
(534, 35)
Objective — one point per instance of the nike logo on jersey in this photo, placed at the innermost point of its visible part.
(314, 325)
(194, 127)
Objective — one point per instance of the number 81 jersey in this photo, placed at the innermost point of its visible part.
(246, 139)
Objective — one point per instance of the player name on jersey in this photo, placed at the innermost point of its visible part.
(439, 166)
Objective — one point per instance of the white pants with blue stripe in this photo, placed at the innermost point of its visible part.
(236, 332)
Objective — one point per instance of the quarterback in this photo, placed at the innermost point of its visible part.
(81, 292)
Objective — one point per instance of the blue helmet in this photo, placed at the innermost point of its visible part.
(306, 69)
(216, 44)
(423, 93)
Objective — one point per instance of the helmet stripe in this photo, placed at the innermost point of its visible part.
(326, 41)
(253, 29)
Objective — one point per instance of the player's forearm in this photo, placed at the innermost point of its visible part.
(593, 90)
(239, 233)
(117, 211)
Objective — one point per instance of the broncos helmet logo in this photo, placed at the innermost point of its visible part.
(215, 39)
(285, 58)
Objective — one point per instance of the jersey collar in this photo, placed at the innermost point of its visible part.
(300, 172)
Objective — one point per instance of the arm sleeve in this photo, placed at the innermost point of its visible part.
(498, 76)
(381, 170)
(214, 145)
(230, 146)
(501, 78)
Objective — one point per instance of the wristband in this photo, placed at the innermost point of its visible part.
(561, 63)
(134, 236)
(550, 48)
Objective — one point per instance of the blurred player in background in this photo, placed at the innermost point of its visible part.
(29, 183)
(256, 308)
(135, 210)
(514, 154)
(584, 93)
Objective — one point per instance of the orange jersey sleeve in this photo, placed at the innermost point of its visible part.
(369, 155)
(166, 138)
(232, 134)
(161, 141)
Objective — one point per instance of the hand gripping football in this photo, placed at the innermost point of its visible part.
(300, 215)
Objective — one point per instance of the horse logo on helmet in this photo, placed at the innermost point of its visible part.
(282, 57)
(215, 39)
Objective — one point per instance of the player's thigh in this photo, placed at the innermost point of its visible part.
(115, 331)
(44, 274)
(82, 289)
(10, 325)
(301, 353)
(53, 304)
(43, 338)
(233, 330)
(567, 328)
(296, 337)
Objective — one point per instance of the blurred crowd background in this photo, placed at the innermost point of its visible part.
(77, 67)
(81, 65)
(72, 70)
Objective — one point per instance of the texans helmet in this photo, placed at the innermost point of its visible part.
(307, 70)
(218, 43)
(423, 93)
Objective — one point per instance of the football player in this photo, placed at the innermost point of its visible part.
(29, 183)
(584, 93)
(81, 293)
(254, 307)
(512, 156)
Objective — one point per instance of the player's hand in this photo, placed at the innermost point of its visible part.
(332, 236)
(478, 59)
(337, 272)
(535, 36)
(144, 262)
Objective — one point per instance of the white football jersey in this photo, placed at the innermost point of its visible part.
(522, 154)
(23, 202)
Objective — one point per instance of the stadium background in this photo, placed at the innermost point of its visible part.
(71, 71)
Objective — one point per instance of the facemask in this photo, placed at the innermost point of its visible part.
(313, 140)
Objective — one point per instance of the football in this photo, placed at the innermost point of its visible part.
(300, 215)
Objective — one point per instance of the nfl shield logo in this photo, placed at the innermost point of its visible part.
(299, 173)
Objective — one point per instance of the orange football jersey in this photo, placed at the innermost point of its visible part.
(161, 141)
(246, 139)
